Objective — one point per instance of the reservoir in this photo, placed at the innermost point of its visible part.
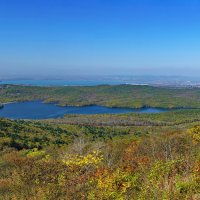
(40, 110)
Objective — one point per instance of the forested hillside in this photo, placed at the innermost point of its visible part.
(113, 96)
(110, 156)
(51, 160)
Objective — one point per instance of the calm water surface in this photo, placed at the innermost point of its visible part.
(61, 82)
(39, 110)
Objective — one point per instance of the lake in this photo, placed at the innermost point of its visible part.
(39, 110)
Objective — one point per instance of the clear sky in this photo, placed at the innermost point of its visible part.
(52, 37)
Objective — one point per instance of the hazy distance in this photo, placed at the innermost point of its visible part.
(78, 38)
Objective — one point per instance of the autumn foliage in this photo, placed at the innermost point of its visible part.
(156, 166)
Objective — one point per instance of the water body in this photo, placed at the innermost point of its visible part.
(61, 82)
(109, 80)
(39, 110)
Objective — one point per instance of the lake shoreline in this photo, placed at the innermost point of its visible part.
(56, 103)
(41, 110)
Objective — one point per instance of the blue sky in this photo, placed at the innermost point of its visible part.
(145, 37)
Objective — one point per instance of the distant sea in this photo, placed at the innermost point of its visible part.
(108, 80)
(63, 82)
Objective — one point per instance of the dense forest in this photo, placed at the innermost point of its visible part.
(113, 96)
(115, 157)
(172, 118)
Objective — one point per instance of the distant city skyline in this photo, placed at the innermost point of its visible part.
(48, 38)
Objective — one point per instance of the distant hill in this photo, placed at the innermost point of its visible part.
(131, 96)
